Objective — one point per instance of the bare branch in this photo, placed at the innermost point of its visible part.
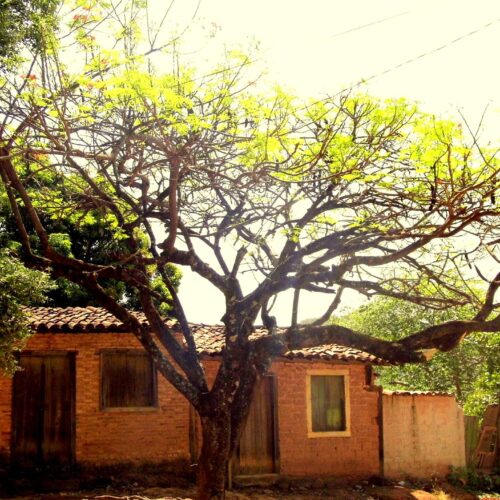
(331, 309)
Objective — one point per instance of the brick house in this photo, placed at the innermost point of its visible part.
(88, 394)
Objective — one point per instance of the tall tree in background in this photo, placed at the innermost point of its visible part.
(346, 193)
(25, 25)
(90, 237)
(471, 371)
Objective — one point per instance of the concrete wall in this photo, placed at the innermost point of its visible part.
(423, 435)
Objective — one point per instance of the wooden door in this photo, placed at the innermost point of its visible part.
(43, 410)
(257, 451)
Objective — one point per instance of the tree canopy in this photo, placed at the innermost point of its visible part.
(25, 25)
(88, 238)
(349, 192)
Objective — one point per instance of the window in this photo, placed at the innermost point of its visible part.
(128, 380)
(328, 403)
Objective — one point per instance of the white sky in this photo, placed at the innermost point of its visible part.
(320, 47)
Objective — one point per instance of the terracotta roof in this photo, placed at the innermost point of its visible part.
(334, 351)
(209, 338)
(388, 392)
(75, 319)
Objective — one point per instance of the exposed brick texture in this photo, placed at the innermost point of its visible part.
(5, 416)
(423, 435)
(151, 435)
(357, 455)
(157, 435)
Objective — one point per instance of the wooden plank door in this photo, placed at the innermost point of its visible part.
(27, 414)
(43, 411)
(257, 451)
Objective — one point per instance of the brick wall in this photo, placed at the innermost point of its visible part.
(151, 435)
(357, 455)
(163, 434)
(423, 435)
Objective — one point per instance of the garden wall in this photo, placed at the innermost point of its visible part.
(423, 434)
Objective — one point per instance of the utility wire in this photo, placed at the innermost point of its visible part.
(373, 23)
(406, 62)
(374, 75)
(430, 52)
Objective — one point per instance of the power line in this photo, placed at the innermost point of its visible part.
(406, 62)
(430, 52)
(378, 21)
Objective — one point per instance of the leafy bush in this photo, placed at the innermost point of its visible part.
(19, 286)
(472, 479)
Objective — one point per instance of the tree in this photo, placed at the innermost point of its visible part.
(19, 287)
(345, 193)
(25, 24)
(89, 238)
(31, 27)
(475, 387)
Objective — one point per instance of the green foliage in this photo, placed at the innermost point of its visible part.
(106, 129)
(471, 371)
(29, 23)
(474, 480)
(157, 285)
(86, 233)
(486, 387)
(19, 287)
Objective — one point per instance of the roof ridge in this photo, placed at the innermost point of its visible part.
(209, 338)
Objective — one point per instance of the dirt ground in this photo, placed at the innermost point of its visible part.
(442, 491)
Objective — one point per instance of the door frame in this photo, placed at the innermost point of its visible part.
(274, 412)
(71, 356)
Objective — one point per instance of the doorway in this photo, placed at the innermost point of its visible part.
(257, 452)
(43, 414)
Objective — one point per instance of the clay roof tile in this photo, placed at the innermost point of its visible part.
(209, 338)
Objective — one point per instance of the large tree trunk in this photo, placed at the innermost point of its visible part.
(214, 457)
(221, 430)
(224, 414)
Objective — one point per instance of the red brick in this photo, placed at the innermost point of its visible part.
(163, 435)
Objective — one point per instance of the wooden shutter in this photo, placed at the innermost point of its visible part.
(328, 412)
(127, 380)
(58, 409)
(28, 412)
